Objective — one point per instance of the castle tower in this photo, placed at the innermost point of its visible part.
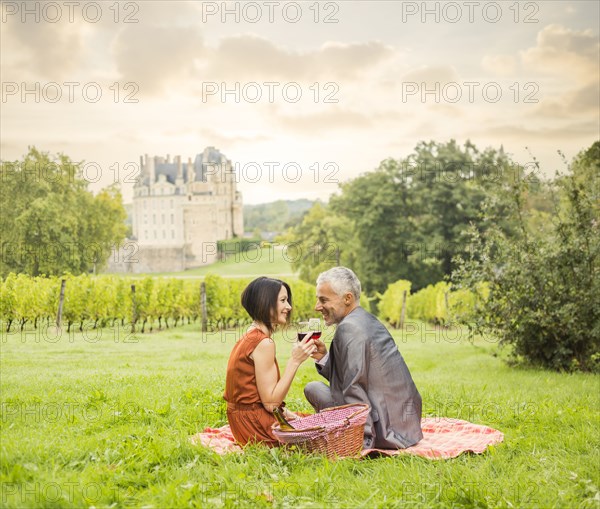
(178, 216)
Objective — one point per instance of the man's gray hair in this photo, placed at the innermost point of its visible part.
(342, 281)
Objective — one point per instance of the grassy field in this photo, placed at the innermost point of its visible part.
(103, 420)
(267, 261)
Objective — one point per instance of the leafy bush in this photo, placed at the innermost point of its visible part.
(440, 303)
(77, 300)
(544, 280)
(390, 304)
(463, 304)
(304, 299)
(429, 304)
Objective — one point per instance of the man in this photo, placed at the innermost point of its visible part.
(363, 366)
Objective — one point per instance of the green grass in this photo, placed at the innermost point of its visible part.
(266, 261)
(104, 421)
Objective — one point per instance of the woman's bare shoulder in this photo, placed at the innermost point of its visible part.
(264, 348)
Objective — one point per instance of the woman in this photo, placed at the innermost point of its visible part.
(254, 386)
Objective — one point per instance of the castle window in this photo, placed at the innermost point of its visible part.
(164, 234)
(162, 218)
(172, 218)
(154, 234)
(172, 234)
(153, 218)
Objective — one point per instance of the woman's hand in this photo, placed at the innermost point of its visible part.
(290, 416)
(271, 389)
(303, 349)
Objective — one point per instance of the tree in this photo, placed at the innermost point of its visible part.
(321, 241)
(104, 224)
(50, 223)
(408, 218)
(381, 208)
(544, 284)
(275, 216)
(410, 215)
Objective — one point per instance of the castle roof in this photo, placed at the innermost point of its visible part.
(169, 170)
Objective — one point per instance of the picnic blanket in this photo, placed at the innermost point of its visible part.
(443, 438)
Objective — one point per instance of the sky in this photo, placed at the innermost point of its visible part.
(300, 96)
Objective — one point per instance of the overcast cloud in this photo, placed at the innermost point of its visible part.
(371, 83)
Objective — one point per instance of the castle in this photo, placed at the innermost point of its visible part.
(180, 211)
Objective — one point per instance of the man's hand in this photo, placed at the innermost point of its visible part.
(321, 350)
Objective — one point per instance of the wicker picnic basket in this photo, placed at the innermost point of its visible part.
(336, 432)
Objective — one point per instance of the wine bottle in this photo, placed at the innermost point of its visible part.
(283, 423)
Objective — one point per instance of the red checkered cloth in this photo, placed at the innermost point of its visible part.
(443, 438)
(219, 440)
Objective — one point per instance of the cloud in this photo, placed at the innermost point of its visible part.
(559, 50)
(336, 118)
(424, 130)
(448, 110)
(38, 48)
(500, 65)
(573, 56)
(349, 60)
(58, 42)
(518, 133)
(156, 56)
(253, 57)
(237, 138)
(11, 147)
(332, 119)
(584, 100)
(220, 138)
(165, 13)
(430, 75)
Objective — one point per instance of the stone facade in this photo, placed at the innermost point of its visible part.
(180, 211)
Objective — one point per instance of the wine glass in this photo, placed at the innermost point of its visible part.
(313, 326)
(303, 330)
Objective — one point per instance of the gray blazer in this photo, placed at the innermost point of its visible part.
(365, 366)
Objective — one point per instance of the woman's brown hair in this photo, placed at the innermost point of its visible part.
(259, 299)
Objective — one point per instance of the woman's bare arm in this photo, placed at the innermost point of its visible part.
(271, 391)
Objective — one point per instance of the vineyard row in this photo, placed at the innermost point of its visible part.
(104, 300)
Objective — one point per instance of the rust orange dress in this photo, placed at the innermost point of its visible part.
(247, 417)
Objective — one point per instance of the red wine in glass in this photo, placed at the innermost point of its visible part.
(315, 335)
(313, 326)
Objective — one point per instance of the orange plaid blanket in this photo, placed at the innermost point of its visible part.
(443, 438)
